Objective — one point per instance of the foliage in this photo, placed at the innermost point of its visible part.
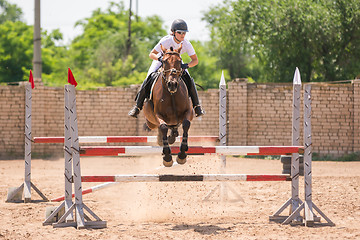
(207, 73)
(320, 37)
(98, 57)
(9, 12)
(101, 50)
(15, 50)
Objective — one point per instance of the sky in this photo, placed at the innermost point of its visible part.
(63, 14)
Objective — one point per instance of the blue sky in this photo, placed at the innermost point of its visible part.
(63, 14)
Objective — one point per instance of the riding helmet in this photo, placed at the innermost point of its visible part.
(179, 25)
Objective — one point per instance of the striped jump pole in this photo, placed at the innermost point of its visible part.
(99, 187)
(111, 180)
(86, 191)
(185, 178)
(193, 150)
(122, 139)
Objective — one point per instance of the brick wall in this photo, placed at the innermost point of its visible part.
(258, 114)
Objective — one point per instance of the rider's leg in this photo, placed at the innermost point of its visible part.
(189, 81)
(145, 89)
(141, 95)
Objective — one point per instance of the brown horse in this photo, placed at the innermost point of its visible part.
(170, 106)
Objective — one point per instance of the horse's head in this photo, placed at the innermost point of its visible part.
(172, 68)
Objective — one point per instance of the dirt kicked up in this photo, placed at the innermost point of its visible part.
(176, 210)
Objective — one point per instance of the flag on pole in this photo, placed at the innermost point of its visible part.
(71, 78)
(31, 80)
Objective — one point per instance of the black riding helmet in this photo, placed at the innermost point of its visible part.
(179, 25)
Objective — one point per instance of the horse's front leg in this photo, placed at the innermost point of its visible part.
(167, 159)
(181, 158)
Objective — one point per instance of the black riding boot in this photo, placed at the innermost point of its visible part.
(141, 95)
(189, 81)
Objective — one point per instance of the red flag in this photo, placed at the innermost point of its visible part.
(31, 80)
(71, 78)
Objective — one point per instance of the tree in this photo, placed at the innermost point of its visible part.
(9, 12)
(100, 51)
(319, 37)
(16, 39)
(16, 52)
(207, 73)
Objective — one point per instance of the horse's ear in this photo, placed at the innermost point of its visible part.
(163, 48)
(179, 49)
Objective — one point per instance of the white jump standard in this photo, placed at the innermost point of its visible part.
(25, 188)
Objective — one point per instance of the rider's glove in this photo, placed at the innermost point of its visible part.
(184, 66)
(160, 59)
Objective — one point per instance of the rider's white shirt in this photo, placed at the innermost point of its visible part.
(168, 41)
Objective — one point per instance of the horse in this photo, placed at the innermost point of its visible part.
(170, 106)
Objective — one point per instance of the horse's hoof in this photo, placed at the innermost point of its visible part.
(168, 164)
(180, 161)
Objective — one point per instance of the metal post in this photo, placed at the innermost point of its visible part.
(295, 159)
(294, 200)
(222, 131)
(72, 155)
(223, 187)
(67, 156)
(79, 211)
(37, 63)
(15, 194)
(309, 215)
(27, 183)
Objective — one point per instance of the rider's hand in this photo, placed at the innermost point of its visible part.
(160, 59)
(184, 66)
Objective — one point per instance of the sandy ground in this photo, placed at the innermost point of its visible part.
(177, 210)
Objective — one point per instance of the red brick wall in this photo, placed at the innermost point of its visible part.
(258, 114)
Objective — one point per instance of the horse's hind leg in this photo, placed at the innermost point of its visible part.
(167, 159)
(181, 158)
(172, 137)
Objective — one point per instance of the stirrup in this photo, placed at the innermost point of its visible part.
(198, 111)
(134, 112)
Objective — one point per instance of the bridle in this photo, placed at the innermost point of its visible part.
(171, 70)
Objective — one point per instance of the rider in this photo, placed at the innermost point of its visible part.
(175, 39)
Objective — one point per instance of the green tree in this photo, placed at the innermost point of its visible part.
(16, 50)
(319, 37)
(100, 51)
(207, 73)
(9, 12)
